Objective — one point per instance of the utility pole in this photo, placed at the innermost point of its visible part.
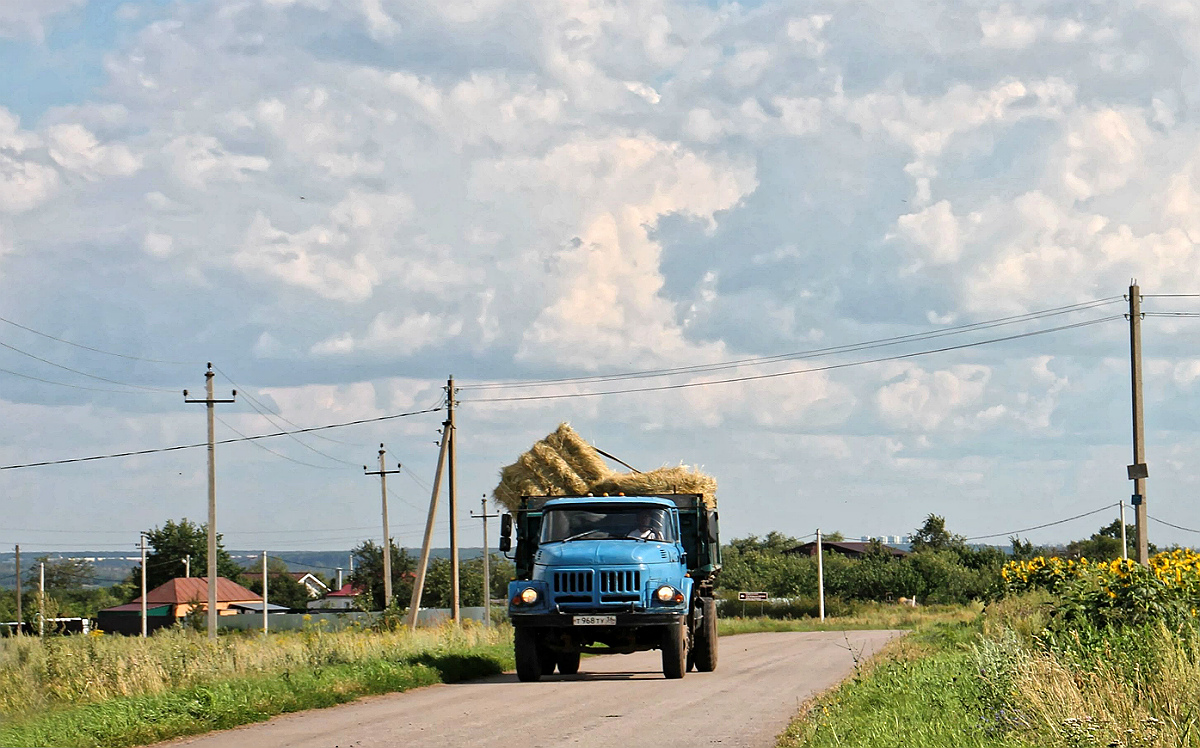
(20, 611)
(820, 577)
(455, 612)
(487, 557)
(212, 497)
(42, 599)
(143, 544)
(1124, 543)
(187, 566)
(264, 565)
(1138, 471)
(383, 473)
(423, 562)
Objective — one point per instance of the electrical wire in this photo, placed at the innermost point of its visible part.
(1168, 296)
(1105, 508)
(793, 372)
(67, 384)
(847, 348)
(253, 400)
(280, 455)
(179, 447)
(97, 350)
(79, 372)
(1171, 314)
(1169, 524)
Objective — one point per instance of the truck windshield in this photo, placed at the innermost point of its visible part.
(607, 523)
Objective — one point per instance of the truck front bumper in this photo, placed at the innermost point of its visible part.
(567, 620)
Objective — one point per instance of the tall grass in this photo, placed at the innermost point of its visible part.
(37, 676)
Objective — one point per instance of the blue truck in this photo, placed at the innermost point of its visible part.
(613, 574)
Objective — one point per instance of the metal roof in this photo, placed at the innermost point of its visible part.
(183, 590)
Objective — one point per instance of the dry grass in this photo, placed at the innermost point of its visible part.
(564, 464)
(36, 676)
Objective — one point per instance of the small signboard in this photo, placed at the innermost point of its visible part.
(754, 597)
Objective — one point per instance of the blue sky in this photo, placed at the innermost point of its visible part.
(342, 203)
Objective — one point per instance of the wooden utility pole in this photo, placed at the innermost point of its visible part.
(20, 611)
(383, 473)
(487, 557)
(1138, 471)
(143, 544)
(264, 565)
(414, 605)
(212, 497)
(455, 612)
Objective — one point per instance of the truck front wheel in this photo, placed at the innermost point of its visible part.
(705, 638)
(526, 649)
(568, 662)
(674, 650)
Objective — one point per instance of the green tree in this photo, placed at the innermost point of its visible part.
(282, 588)
(62, 573)
(933, 536)
(368, 574)
(175, 541)
(1105, 544)
(436, 593)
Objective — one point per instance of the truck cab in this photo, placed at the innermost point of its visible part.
(613, 574)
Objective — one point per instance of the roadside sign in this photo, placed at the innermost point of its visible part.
(756, 597)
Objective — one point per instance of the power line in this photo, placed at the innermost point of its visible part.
(253, 401)
(1169, 524)
(1170, 296)
(793, 372)
(280, 455)
(846, 348)
(1105, 508)
(67, 384)
(1171, 314)
(79, 372)
(179, 447)
(96, 350)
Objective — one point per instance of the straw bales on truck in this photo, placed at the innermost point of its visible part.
(563, 464)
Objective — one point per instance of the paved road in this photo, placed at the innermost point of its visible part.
(618, 701)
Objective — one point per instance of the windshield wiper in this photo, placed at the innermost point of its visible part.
(578, 536)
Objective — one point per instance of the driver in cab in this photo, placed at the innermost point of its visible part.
(646, 527)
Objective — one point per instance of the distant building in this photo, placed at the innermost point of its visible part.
(342, 599)
(174, 600)
(844, 547)
(316, 588)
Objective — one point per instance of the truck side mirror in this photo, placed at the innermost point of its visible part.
(713, 535)
(505, 533)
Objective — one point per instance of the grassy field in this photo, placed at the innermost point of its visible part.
(863, 616)
(122, 691)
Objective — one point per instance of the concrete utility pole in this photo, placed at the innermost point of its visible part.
(383, 473)
(1124, 542)
(455, 612)
(212, 497)
(414, 605)
(820, 577)
(20, 611)
(42, 599)
(264, 565)
(487, 557)
(143, 544)
(1138, 471)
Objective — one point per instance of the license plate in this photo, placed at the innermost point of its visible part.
(595, 620)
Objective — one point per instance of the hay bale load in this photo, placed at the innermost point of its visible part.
(563, 464)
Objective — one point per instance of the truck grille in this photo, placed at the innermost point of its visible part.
(620, 586)
(572, 583)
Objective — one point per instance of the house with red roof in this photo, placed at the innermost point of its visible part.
(173, 600)
(343, 599)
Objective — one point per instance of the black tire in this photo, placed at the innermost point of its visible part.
(674, 650)
(526, 650)
(705, 640)
(548, 660)
(568, 662)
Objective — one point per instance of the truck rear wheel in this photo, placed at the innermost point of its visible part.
(526, 651)
(568, 662)
(674, 650)
(705, 638)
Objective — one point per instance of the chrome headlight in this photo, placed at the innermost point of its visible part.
(529, 596)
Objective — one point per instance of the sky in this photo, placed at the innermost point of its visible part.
(341, 203)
